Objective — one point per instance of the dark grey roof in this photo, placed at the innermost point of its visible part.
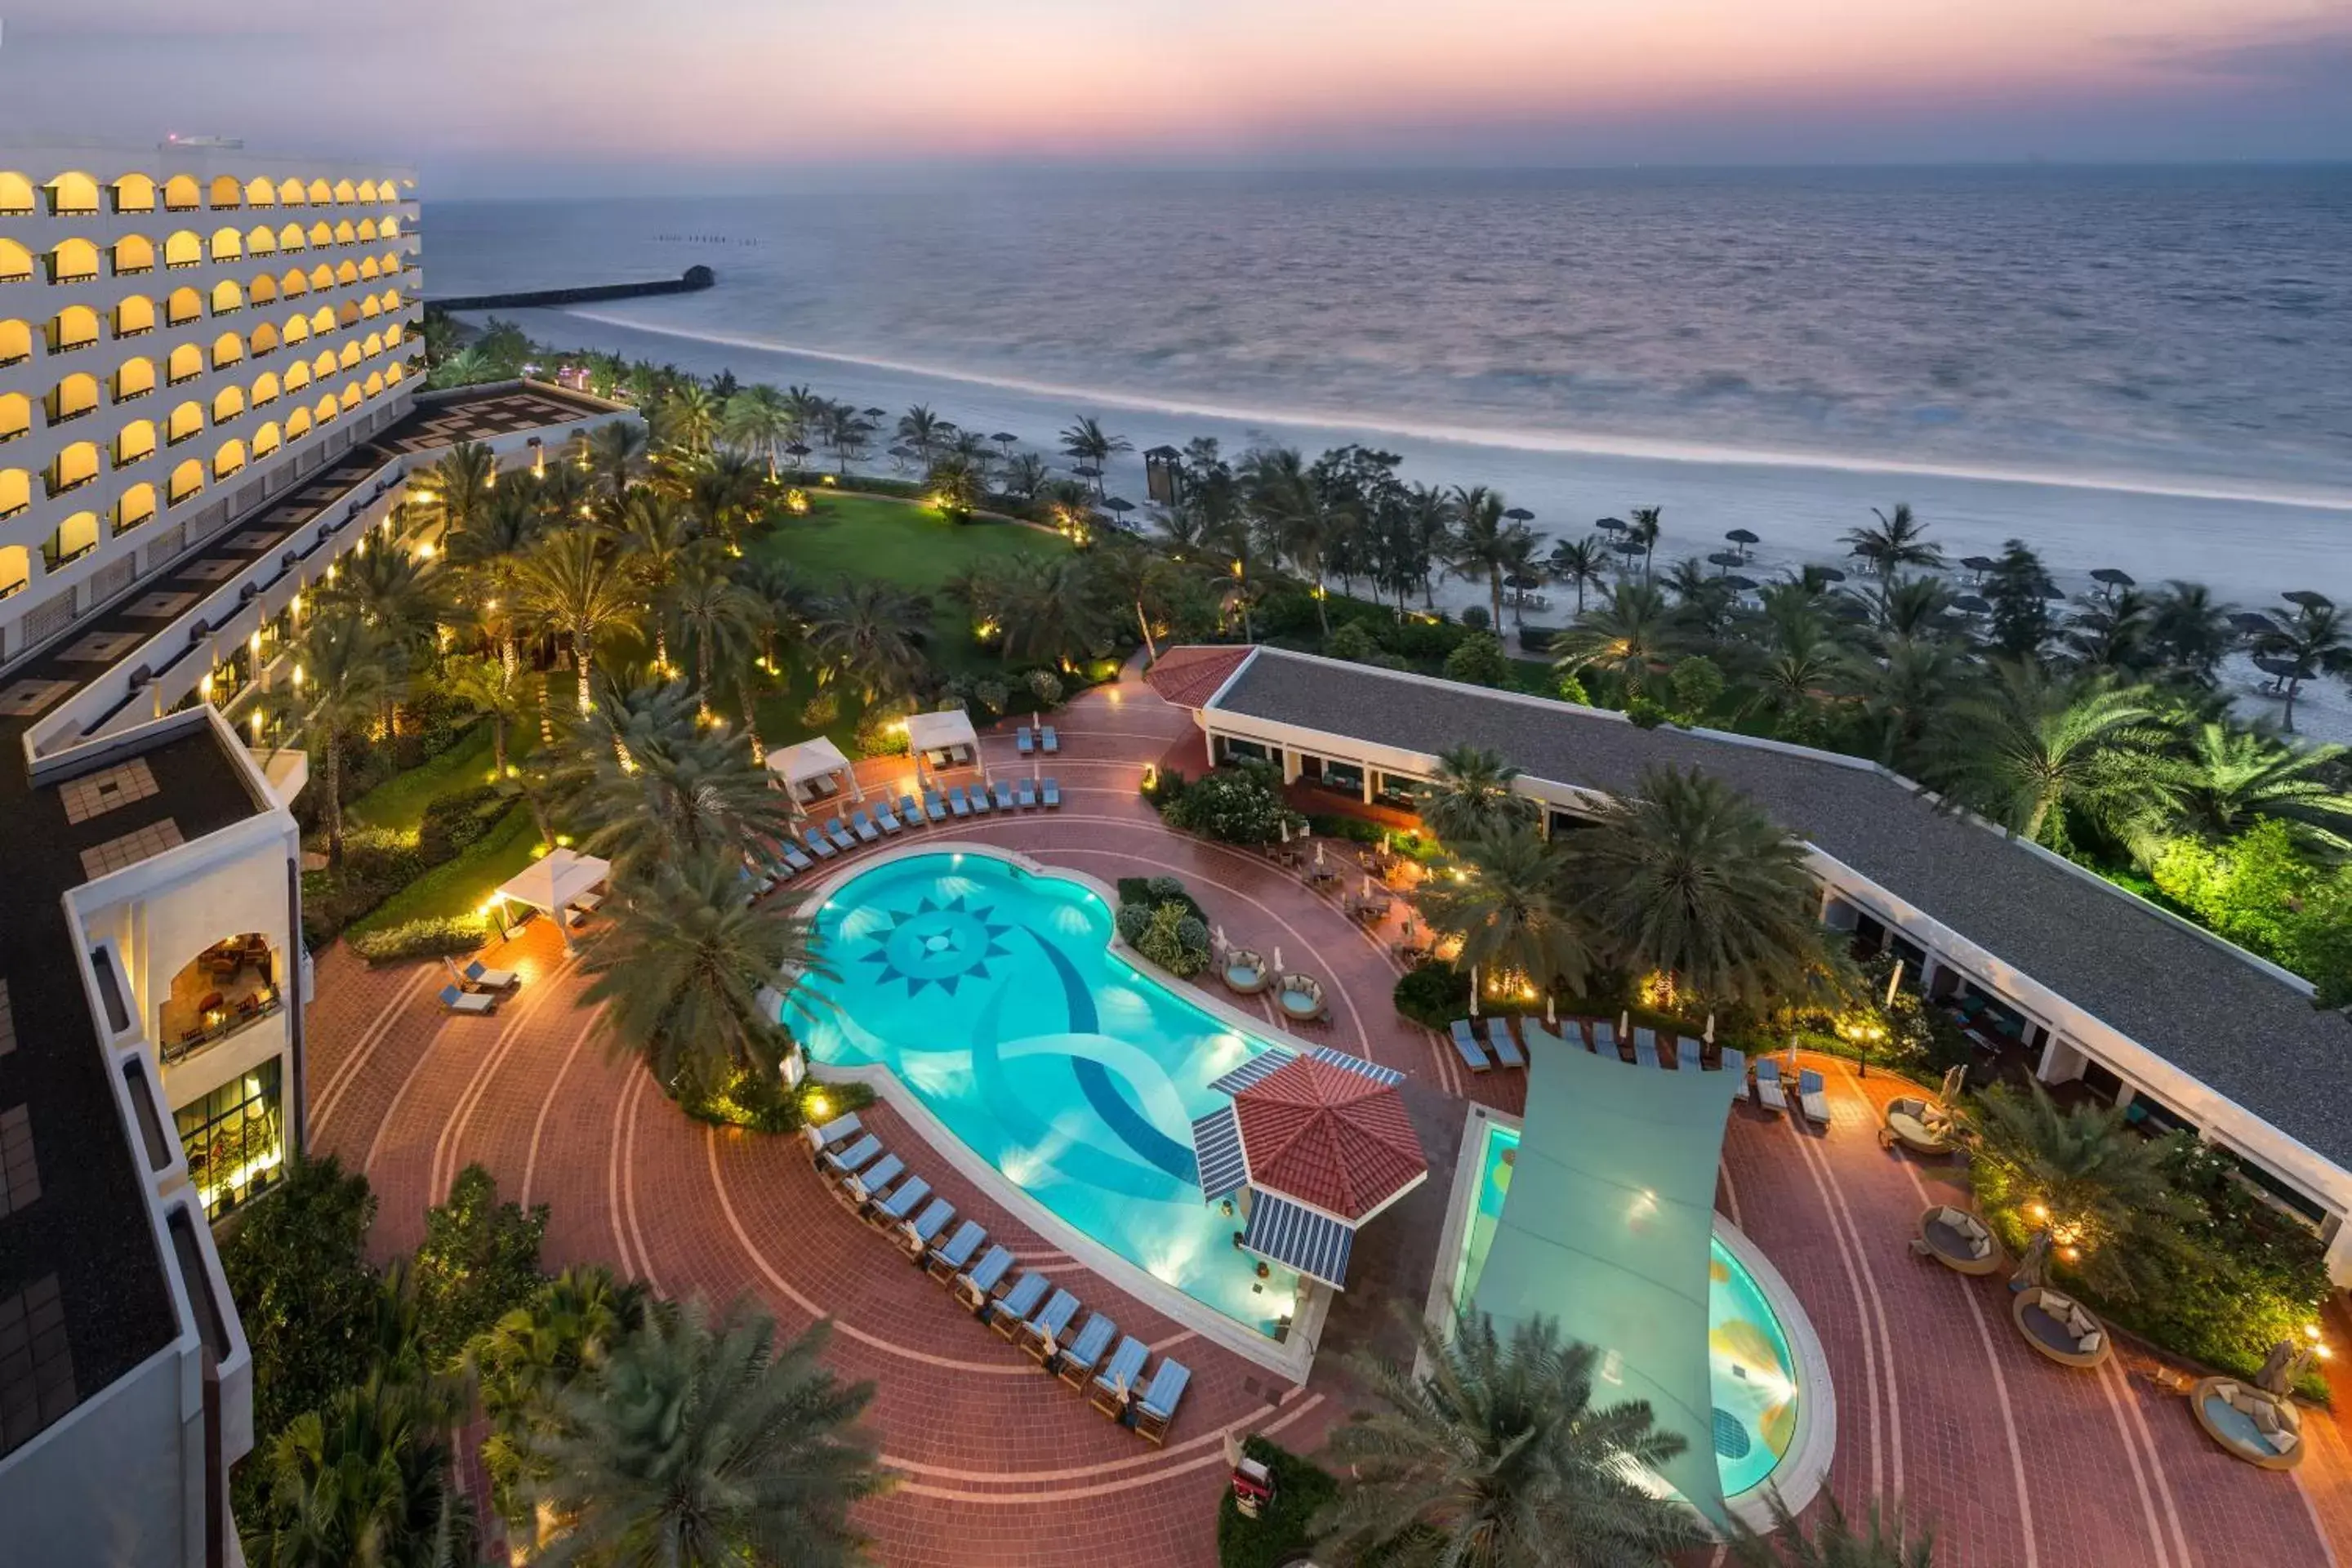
(2243, 1032)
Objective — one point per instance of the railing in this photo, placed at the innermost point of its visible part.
(233, 1021)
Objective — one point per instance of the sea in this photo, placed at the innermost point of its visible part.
(2147, 368)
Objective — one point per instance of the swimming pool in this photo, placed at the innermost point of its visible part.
(990, 992)
(1754, 1374)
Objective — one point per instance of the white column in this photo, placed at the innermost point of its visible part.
(1289, 764)
(1367, 771)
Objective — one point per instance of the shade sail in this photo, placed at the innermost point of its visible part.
(1606, 1230)
(940, 731)
(554, 880)
(1298, 1237)
(809, 760)
(1217, 1152)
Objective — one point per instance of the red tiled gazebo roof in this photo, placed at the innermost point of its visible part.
(1188, 676)
(1330, 1139)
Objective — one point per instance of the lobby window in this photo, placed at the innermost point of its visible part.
(235, 1138)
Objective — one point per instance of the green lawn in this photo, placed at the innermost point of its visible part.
(460, 887)
(870, 536)
(400, 801)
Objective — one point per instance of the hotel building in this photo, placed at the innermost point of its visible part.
(210, 390)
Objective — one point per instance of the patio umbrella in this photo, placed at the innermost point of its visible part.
(1278, 961)
(1971, 603)
(797, 450)
(1709, 1036)
(902, 453)
(1318, 855)
(1611, 525)
(1727, 559)
(1520, 514)
(2310, 599)
(1004, 439)
(1979, 564)
(2252, 623)
(1521, 580)
(877, 412)
(1735, 582)
(1551, 1011)
(1087, 471)
(1625, 1023)
(1286, 830)
(1473, 990)
(1218, 938)
(1628, 547)
(1742, 538)
(1828, 574)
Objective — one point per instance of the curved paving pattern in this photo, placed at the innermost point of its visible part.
(2017, 1461)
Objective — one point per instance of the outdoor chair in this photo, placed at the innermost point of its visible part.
(933, 807)
(864, 826)
(1645, 1047)
(1115, 1384)
(1959, 1240)
(1052, 792)
(975, 1286)
(1686, 1053)
(1157, 1405)
(840, 835)
(813, 840)
(839, 1164)
(887, 1214)
(1504, 1043)
(482, 977)
(1465, 1046)
(1301, 998)
(885, 819)
(794, 859)
(1024, 795)
(833, 1134)
(1021, 742)
(1076, 1364)
(944, 1262)
(454, 1000)
(978, 795)
(1245, 972)
(956, 802)
(1003, 795)
(1812, 1094)
(1604, 1040)
(1040, 1334)
(1009, 1311)
(2057, 1326)
(1919, 1125)
(1048, 741)
(857, 1187)
(910, 811)
(2264, 1429)
(918, 1233)
(1769, 1093)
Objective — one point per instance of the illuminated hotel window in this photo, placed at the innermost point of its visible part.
(235, 1138)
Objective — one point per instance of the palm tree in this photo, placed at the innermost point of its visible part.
(789, 606)
(923, 430)
(486, 553)
(703, 1444)
(1511, 907)
(2083, 1182)
(2232, 777)
(1484, 542)
(2028, 753)
(1643, 524)
(1025, 475)
(345, 669)
(468, 367)
(1904, 695)
(2314, 641)
(571, 584)
(454, 490)
(1689, 877)
(1470, 796)
(1582, 561)
(657, 538)
(1497, 1455)
(1898, 541)
(1295, 524)
(1088, 443)
(722, 491)
(365, 1479)
(955, 484)
(1886, 1541)
(873, 633)
(1049, 608)
(1519, 563)
(615, 452)
(687, 418)
(401, 590)
(2190, 630)
(717, 617)
(525, 1360)
(651, 784)
(1909, 606)
(1630, 636)
(758, 421)
(2108, 634)
(488, 685)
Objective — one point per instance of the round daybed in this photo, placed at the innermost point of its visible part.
(2261, 1429)
(1921, 1126)
(1245, 972)
(1301, 997)
(2056, 1325)
(1959, 1241)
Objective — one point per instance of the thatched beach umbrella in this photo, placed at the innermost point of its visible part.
(1738, 584)
(1520, 514)
(1979, 564)
(2310, 599)
(1742, 538)
(2252, 623)
(1727, 559)
(1120, 506)
(2113, 578)
(1972, 604)
(1611, 525)
(1828, 574)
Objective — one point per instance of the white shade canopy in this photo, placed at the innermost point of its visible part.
(809, 760)
(555, 880)
(942, 731)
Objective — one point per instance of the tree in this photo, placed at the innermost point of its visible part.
(1088, 443)
(485, 685)
(758, 421)
(1905, 696)
(1470, 796)
(298, 1269)
(345, 669)
(615, 452)
(365, 1479)
(846, 431)
(1485, 543)
(1884, 1541)
(572, 584)
(2029, 752)
(2230, 779)
(716, 618)
(657, 537)
(1643, 524)
(479, 1260)
(398, 590)
(2020, 589)
(1511, 907)
(650, 785)
(1896, 542)
(2313, 641)
(687, 418)
(956, 484)
(1688, 876)
(706, 1444)
(2190, 631)
(523, 1364)
(1497, 1456)
(486, 556)
(1478, 659)
(1630, 636)
(452, 494)
(1295, 523)
(873, 633)
(923, 430)
(1583, 563)
(1049, 608)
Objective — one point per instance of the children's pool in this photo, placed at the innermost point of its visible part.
(990, 991)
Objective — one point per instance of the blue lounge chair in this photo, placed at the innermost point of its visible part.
(956, 802)
(933, 807)
(1111, 1389)
(833, 1134)
(1604, 1039)
(1076, 1364)
(889, 1213)
(975, 1285)
(1735, 1062)
(459, 1001)
(1024, 795)
(794, 859)
(1003, 795)
(1685, 1054)
(1048, 741)
(482, 977)
(1009, 1312)
(1051, 790)
(1769, 1093)
(885, 818)
(1156, 1407)
(1466, 1047)
(918, 1233)
(843, 1162)
(909, 811)
(1813, 1095)
(946, 1262)
(978, 795)
(1645, 1047)
(866, 832)
(1506, 1048)
(858, 1187)
(1039, 1334)
(813, 839)
(839, 835)
(1022, 741)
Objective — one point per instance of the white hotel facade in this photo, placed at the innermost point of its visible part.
(210, 389)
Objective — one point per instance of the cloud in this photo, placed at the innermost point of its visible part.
(2306, 55)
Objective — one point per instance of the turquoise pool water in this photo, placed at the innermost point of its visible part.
(1755, 1377)
(993, 995)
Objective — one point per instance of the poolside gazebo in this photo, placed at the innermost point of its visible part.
(557, 881)
(811, 771)
(942, 740)
(1315, 1146)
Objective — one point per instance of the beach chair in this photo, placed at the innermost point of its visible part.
(956, 802)
(1038, 1335)
(792, 858)
(1115, 1385)
(1769, 1093)
(1156, 1406)
(1686, 1054)
(946, 1261)
(1604, 1039)
(1645, 1047)
(840, 835)
(1022, 741)
(909, 811)
(1003, 795)
(1813, 1095)
(978, 795)
(454, 1000)
(889, 1213)
(863, 825)
(1050, 791)
(1009, 1312)
(1024, 795)
(1048, 741)
(857, 1187)
(814, 841)
(1505, 1049)
(1734, 1062)
(1466, 1047)
(933, 807)
(885, 819)
(975, 1286)
(1078, 1364)
(918, 1233)
(833, 1134)
(482, 977)
(839, 1164)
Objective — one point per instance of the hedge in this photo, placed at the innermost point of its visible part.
(432, 938)
(1434, 995)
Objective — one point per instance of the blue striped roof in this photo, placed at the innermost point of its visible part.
(1263, 1064)
(1288, 1233)
(1341, 1059)
(1217, 1148)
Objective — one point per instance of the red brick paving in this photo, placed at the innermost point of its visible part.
(1003, 1466)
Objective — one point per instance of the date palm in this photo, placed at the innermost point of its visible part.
(403, 591)
(1904, 694)
(757, 420)
(2028, 753)
(2231, 778)
(718, 619)
(788, 604)
(846, 431)
(365, 1479)
(1294, 523)
(1050, 608)
(1470, 797)
(1025, 475)
(486, 555)
(1644, 525)
(1688, 876)
(955, 483)
(1885, 1539)
(1088, 442)
(687, 418)
(508, 695)
(873, 633)
(1897, 540)
(722, 491)
(573, 584)
(1630, 636)
(1497, 1456)
(345, 669)
(705, 1443)
(650, 784)
(454, 490)
(1485, 543)
(525, 1360)
(2314, 641)
(657, 536)
(1581, 561)
(2190, 630)
(616, 453)
(1511, 908)
(923, 430)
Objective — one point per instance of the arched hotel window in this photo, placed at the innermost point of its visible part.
(73, 468)
(392, 374)
(260, 241)
(134, 194)
(134, 441)
(15, 415)
(320, 234)
(266, 440)
(182, 249)
(326, 410)
(16, 491)
(297, 425)
(76, 537)
(133, 254)
(374, 384)
(350, 358)
(290, 238)
(75, 327)
(133, 315)
(368, 273)
(16, 342)
(226, 298)
(15, 193)
(367, 193)
(289, 192)
(388, 227)
(323, 277)
(392, 334)
(73, 262)
(186, 420)
(298, 376)
(265, 339)
(260, 193)
(135, 379)
(367, 228)
(228, 459)
(227, 349)
(186, 480)
(324, 366)
(298, 329)
(225, 192)
(373, 346)
(344, 233)
(352, 395)
(228, 403)
(265, 390)
(348, 272)
(345, 194)
(182, 194)
(184, 305)
(265, 290)
(322, 320)
(228, 244)
(137, 506)
(294, 284)
(15, 262)
(72, 194)
(321, 193)
(16, 569)
(71, 398)
(185, 363)
(346, 313)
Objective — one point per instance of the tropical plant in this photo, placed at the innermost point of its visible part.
(1497, 1456)
(2190, 631)
(1898, 540)
(2020, 589)
(451, 494)
(2294, 649)
(956, 484)
(1089, 443)
(1507, 899)
(657, 537)
(687, 418)
(365, 1479)
(923, 430)
(872, 633)
(346, 669)
(1583, 563)
(649, 783)
(1470, 797)
(2231, 778)
(718, 619)
(2030, 752)
(522, 1364)
(1485, 543)
(1883, 1540)
(846, 431)
(615, 452)
(1630, 636)
(1644, 525)
(706, 1444)
(479, 1260)
(758, 421)
(484, 684)
(572, 584)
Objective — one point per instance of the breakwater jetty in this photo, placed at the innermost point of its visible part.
(693, 281)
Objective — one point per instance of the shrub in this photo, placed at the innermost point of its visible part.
(882, 731)
(1147, 893)
(1570, 690)
(1165, 786)
(1351, 642)
(821, 711)
(1537, 639)
(991, 694)
(1425, 641)
(1434, 995)
(1237, 804)
(479, 1260)
(762, 1105)
(1479, 661)
(1647, 713)
(1175, 940)
(454, 821)
(1132, 920)
(1698, 682)
(1045, 686)
(1164, 888)
(1476, 619)
(1278, 1536)
(438, 937)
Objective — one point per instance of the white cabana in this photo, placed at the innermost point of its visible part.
(814, 770)
(942, 740)
(557, 881)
